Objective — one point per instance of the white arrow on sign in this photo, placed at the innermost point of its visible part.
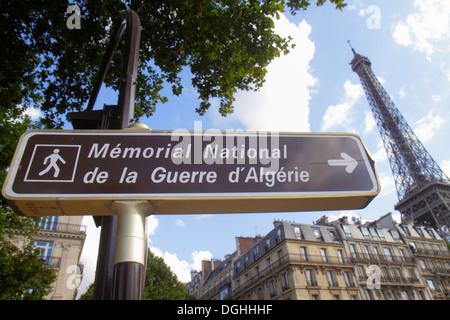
(346, 161)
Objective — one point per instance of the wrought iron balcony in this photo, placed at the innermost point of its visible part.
(65, 228)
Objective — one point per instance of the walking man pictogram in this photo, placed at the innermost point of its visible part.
(53, 158)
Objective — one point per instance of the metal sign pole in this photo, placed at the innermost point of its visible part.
(130, 247)
(130, 252)
(112, 118)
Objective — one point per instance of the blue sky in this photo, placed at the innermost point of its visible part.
(313, 89)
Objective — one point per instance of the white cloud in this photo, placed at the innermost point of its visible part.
(282, 104)
(203, 216)
(183, 268)
(402, 92)
(151, 224)
(339, 115)
(352, 216)
(427, 29)
(436, 98)
(89, 254)
(180, 223)
(445, 166)
(427, 126)
(380, 155)
(387, 184)
(33, 113)
(369, 122)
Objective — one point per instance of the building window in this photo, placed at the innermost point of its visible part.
(353, 252)
(422, 295)
(420, 232)
(298, 233)
(365, 232)
(404, 295)
(422, 265)
(367, 252)
(303, 254)
(267, 244)
(369, 294)
(257, 275)
(324, 254)
(381, 234)
(269, 265)
(346, 229)
(318, 234)
(340, 254)
(334, 236)
(247, 280)
(260, 294)
(237, 267)
(431, 232)
(284, 281)
(406, 230)
(331, 279)
(225, 293)
(256, 252)
(273, 289)
(349, 279)
(280, 257)
(431, 285)
(310, 279)
(49, 223)
(278, 235)
(46, 248)
(388, 254)
(246, 261)
(377, 252)
(395, 236)
(373, 233)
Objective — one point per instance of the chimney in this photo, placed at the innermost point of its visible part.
(244, 243)
(343, 220)
(206, 267)
(323, 221)
(216, 263)
(276, 223)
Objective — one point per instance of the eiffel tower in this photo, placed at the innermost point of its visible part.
(423, 189)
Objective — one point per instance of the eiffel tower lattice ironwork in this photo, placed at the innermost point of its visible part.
(423, 189)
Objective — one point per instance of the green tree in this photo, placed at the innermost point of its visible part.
(226, 46)
(22, 275)
(89, 294)
(161, 283)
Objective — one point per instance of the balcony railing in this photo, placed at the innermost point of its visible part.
(293, 259)
(374, 258)
(438, 253)
(386, 280)
(65, 227)
(51, 262)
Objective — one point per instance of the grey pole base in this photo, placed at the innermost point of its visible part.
(128, 281)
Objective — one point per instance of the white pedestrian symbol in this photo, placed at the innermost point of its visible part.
(53, 158)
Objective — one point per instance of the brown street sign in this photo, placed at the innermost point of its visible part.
(58, 172)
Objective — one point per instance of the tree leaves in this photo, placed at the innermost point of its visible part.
(160, 282)
(226, 44)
